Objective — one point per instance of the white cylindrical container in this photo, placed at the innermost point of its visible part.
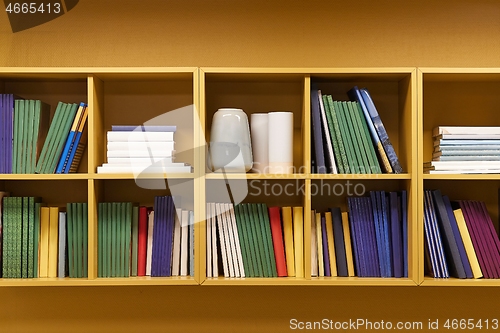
(280, 142)
(230, 147)
(260, 141)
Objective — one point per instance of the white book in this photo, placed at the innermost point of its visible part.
(152, 170)
(140, 136)
(61, 260)
(222, 240)
(462, 165)
(467, 137)
(140, 153)
(237, 245)
(208, 213)
(314, 245)
(319, 244)
(231, 258)
(176, 253)
(451, 172)
(153, 146)
(215, 257)
(184, 242)
(468, 130)
(141, 167)
(149, 252)
(137, 160)
(326, 130)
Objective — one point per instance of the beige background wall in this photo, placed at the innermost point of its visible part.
(336, 33)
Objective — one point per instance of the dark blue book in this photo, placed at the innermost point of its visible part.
(366, 208)
(144, 128)
(317, 132)
(360, 271)
(3, 132)
(379, 233)
(441, 264)
(338, 234)
(450, 246)
(156, 238)
(404, 230)
(458, 237)
(326, 255)
(382, 133)
(384, 212)
(397, 242)
(163, 237)
(170, 218)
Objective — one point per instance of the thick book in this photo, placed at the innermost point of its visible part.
(382, 133)
(143, 128)
(139, 137)
(327, 138)
(341, 154)
(333, 135)
(355, 95)
(277, 235)
(289, 240)
(469, 247)
(317, 132)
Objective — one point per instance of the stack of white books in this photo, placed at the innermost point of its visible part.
(464, 150)
(142, 149)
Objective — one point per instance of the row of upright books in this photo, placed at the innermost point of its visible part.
(460, 238)
(465, 150)
(145, 241)
(30, 145)
(349, 137)
(142, 149)
(41, 241)
(371, 240)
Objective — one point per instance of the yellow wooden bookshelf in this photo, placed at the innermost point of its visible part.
(411, 101)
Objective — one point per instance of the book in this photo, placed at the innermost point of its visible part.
(396, 240)
(333, 135)
(215, 258)
(464, 144)
(149, 249)
(330, 160)
(78, 146)
(176, 257)
(208, 240)
(223, 242)
(153, 147)
(298, 240)
(184, 246)
(134, 249)
(324, 241)
(149, 170)
(143, 128)
(243, 240)
(53, 241)
(360, 163)
(44, 242)
(348, 245)
(314, 246)
(433, 245)
(341, 157)
(345, 138)
(126, 136)
(61, 260)
(277, 236)
(319, 242)
(468, 130)
(467, 137)
(63, 158)
(379, 126)
(364, 154)
(338, 235)
(288, 237)
(268, 243)
(331, 244)
(373, 162)
(317, 132)
(467, 241)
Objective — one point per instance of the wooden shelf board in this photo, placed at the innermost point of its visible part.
(70, 176)
(361, 176)
(282, 281)
(330, 281)
(357, 281)
(255, 176)
(72, 282)
(462, 176)
(143, 176)
(454, 282)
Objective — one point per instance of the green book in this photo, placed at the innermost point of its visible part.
(122, 224)
(70, 216)
(100, 233)
(114, 239)
(29, 110)
(61, 137)
(79, 242)
(135, 235)
(118, 245)
(54, 140)
(25, 237)
(20, 136)
(364, 166)
(254, 215)
(19, 239)
(346, 138)
(85, 244)
(31, 235)
(129, 213)
(365, 136)
(6, 242)
(243, 242)
(40, 127)
(342, 150)
(257, 264)
(267, 227)
(15, 144)
(54, 126)
(109, 240)
(333, 135)
(36, 237)
(265, 248)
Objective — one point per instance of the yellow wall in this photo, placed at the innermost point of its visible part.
(335, 33)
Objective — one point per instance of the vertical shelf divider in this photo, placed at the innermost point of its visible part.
(419, 202)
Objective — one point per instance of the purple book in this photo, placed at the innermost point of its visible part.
(377, 221)
(3, 130)
(494, 237)
(458, 238)
(441, 267)
(404, 224)
(144, 128)
(156, 238)
(385, 216)
(163, 249)
(367, 220)
(326, 255)
(482, 221)
(170, 211)
(477, 239)
(397, 244)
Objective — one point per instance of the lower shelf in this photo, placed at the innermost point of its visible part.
(291, 281)
(72, 282)
(454, 282)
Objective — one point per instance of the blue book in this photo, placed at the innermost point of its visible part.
(156, 238)
(382, 133)
(326, 255)
(366, 209)
(70, 140)
(450, 246)
(144, 128)
(170, 217)
(384, 213)
(436, 239)
(355, 237)
(458, 238)
(379, 232)
(338, 234)
(404, 224)
(317, 132)
(397, 242)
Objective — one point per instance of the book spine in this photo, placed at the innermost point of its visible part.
(342, 160)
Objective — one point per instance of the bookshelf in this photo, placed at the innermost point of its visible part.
(470, 98)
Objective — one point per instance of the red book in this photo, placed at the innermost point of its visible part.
(143, 241)
(277, 233)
